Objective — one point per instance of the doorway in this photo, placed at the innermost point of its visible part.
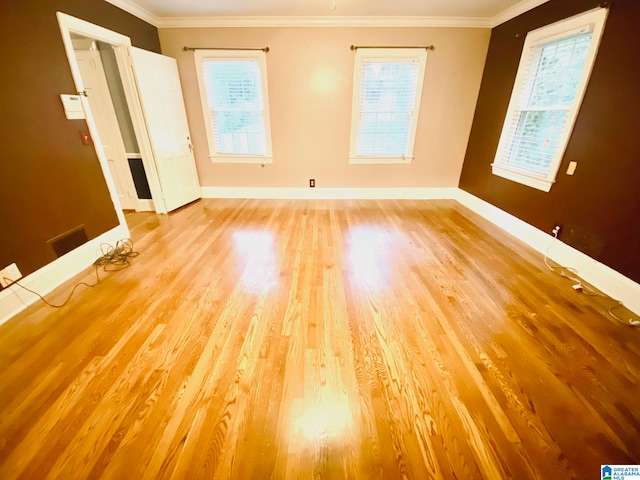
(153, 97)
(105, 94)
(71, 28)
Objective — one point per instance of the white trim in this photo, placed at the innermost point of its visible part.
(599, 275)
(518, 9)
(14, 299)
(323, 21)
(136, 10)
(595, 273)
(338, 193)
(204, 21)
(241, 159)
(144, 205)
(504, 171)
(380, 160)
(69, 24)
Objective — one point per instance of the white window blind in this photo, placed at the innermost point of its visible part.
(387, 89)
(552, 77)
(232, 87)
(387, 95)
(235, 105)
(550, 83)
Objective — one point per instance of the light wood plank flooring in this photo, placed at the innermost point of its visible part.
(255, 339)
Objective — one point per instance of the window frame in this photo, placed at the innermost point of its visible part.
(595, 19)
(385, 54)
(202, 55)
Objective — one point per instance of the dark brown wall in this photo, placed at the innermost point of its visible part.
(602, 199)
(49, 182)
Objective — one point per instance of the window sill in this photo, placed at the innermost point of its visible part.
(530, 180)
(241, 159)
(379, 160)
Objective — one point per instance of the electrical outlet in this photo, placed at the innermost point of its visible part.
(557, 228)
(312, 182)
(86, 137)
(9, 274)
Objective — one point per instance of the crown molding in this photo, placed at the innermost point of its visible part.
(325, 21)
(136, 10)
(518, 9)
(322, 21)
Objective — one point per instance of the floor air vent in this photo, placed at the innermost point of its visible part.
(68, 241)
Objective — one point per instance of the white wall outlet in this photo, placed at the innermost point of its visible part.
(571, 169)
(9, 274)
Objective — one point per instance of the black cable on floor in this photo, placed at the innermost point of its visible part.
(117, 256)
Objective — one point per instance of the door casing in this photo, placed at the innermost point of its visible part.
(122, 49)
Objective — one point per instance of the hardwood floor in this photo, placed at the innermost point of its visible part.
(256, 339)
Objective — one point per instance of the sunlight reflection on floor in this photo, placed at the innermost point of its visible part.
(323, 420)
(256, 249)
(367, 257)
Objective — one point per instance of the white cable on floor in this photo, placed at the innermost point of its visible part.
(579, 286)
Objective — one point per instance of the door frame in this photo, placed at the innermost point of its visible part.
(122, 49)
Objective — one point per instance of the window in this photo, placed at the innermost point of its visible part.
(386, 101)
(233, 90)
(551, 80)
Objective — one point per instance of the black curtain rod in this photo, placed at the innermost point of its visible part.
(186, 49)
(356, 47)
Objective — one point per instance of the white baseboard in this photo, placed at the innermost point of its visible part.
(395, 193)
(614, 284)
(597, 274)
(144, 205)
(14, 299)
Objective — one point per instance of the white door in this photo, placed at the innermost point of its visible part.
(166, 120)
(95, 84)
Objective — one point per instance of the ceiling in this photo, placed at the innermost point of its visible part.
(166, 13)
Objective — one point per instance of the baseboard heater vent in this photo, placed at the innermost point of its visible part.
(68, 241)
(586, 242)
